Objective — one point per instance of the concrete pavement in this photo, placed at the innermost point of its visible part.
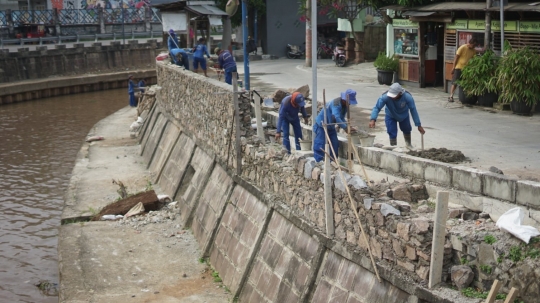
(486, 136)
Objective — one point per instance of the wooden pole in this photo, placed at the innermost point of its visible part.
(353, 207)
(258, 117)
(422, 141)
(511, 296)
(439, 233)
(493, 291)
(349, 139)
(329, 210)
(237, 128)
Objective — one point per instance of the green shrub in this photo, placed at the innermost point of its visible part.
(478, 76)
(386, 63)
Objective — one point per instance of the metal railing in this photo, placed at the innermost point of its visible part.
(3, 18)
(80, 38)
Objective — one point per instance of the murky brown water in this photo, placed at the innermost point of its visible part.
(39, 141)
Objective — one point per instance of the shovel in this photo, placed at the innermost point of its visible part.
(422, 141)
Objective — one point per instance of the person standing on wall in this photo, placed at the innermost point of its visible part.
(288, 115)
(198, 56)
(463, 55)
(226, 62)
(336, 111)
(131, 92)
(180, 57)
(398, 104)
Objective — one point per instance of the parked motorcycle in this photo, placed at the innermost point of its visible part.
(339, 56)
(294, 52)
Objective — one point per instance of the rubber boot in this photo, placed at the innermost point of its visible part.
(408, 143)
(393, 142)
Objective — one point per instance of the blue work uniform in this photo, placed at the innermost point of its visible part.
(141, 85)
(226, 61)
(198, 56)
(335, 113)
(397, 112)
(131, 92)
(185, 60)
(172, 42)
(288, 115)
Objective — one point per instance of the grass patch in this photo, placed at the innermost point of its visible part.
(500, 258)
(215, 274)
(470, 292)
(486, 268)
(464, 261)
(490, 239)
(515, 254)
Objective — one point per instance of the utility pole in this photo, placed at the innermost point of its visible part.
(308, 33)
(487, 34)
(123, 21)
(313, 40)
(245, 36)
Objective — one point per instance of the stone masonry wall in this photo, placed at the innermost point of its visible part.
(43, 63)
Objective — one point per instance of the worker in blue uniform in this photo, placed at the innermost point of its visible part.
(131, 92)
(180, 57)
(288, 115)
(227, 63)
(399, 103)
(172, 41)
(198, 56)
(336, 112)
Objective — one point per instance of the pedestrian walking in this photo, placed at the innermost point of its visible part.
(131, 92)
(227, 63)
(180, 57)
(198, 56)
(288, 115)
(336, 111)
(399, 103)
(463, 55)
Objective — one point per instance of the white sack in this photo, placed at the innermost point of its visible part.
(511, 220)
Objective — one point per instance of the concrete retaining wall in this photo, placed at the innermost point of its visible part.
(263, 230)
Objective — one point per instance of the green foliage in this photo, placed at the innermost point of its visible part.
(500, 258)
(464, 261)
(515, 254)
(489, 239)
(382, 62)
(517, 76)
(149, 186)
(534, 240)
(470, 292)
(478, 76)
(202, 260)
(533, 253)
(486, 268)
(215, 274)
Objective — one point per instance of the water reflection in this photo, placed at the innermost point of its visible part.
(39, 143)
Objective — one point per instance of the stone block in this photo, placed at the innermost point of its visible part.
(357, 183)
(396, 245)
(472, 202)
(412, 166)
(338, 182)
(499, 186)
(437, 172)
(410, 252)
(462, 276)
(300, 165)
(406, 264)
(403, 230)
(309, 166)
(401, 192)
(403, 206)
(420, 225)
(423, 272)
(467, 179)
(486, 254)
(370, 156)
(390, 161)
(527, 193)
(315, 173)
(456, 243)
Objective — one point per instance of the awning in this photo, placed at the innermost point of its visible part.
(465, 6)
(417, 14)
(206, 10)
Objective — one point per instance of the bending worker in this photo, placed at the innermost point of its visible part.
(288, 115)
(180, 57)
(336, 111)
(398, 103)
(226, 62)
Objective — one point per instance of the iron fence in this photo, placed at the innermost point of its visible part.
(45, 17)
(3, 18)
(130, 15)
(78, 16)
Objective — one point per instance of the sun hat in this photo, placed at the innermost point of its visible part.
(171, 31)
(352, 96)
(394, 90)
(217, 50)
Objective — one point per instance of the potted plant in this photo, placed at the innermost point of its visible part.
(386, 66)
(478, 79)
(518, 79)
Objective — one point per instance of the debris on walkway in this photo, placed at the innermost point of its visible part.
(148, 199)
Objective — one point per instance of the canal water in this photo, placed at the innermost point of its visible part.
(39, 141)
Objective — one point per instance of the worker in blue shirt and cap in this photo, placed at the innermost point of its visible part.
(180, 57)
(288, 115)
(399, 103)
(172, 41)
(336, 112)
(227, 63)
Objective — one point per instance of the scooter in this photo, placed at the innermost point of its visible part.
(339, 56)
(294, 52)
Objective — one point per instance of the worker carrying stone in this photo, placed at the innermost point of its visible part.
(336, 111)
(399, 103)
(227, 63)
(288, 115)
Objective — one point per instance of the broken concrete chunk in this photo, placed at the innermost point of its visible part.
(402, 193)
(469, 216)
(338, 182)
(367, 203)
(462, 276)
(309, 166)
(357, 182)
(279, 95)
(387, 209)
(403, 206)
(423, 209)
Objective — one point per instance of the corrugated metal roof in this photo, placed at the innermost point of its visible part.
(417, 14)
(466, 6)
(519, 7)
(206, 10)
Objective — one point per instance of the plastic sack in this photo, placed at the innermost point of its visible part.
(111, 217)
(511, 220)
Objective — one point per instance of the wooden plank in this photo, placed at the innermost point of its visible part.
(439, 233)
(237, 126)
(511, 296)
(493, 292)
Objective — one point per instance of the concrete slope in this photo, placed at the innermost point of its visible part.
(147, 259)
